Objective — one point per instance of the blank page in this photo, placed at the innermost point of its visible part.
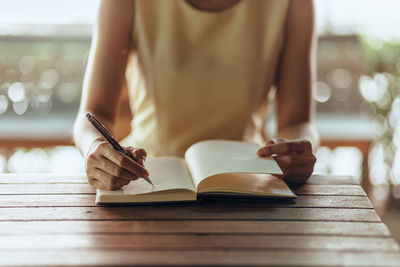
(261, 185)
(212, 157)
(166, 173)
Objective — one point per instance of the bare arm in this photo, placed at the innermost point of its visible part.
(105, 69)
(295, 106)
(107, 168)
(297, 136)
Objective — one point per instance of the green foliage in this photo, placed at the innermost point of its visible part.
(381, 56)
(380, 87)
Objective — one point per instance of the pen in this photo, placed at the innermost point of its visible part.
(99, 126)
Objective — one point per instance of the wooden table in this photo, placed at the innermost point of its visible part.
(52, 220)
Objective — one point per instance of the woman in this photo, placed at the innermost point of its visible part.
(201, 69)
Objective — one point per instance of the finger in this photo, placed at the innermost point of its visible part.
(98, 184)
(122, 160)
(283, 165)
(296, 179)
(295, 165)
(297, 171)
(111, 168)
(107, 181)
(140, 154)
(141, 162)
(296, 159)
(302, 171)
(276, 140)
(130, 150)
(97, 160)
(94, 182)
(136, 153)
(285, 148)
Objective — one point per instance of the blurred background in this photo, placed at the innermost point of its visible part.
(44, 48)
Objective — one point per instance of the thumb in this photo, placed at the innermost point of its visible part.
(270, 142)
(138, 154)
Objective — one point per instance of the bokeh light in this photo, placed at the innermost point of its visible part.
(57, 159)
(3, 163)
(322, 92)
(41, 104)
(395, 172)
(16, 92)
(20, 107)
(341, 78)
(339, 161)
(26, 64)
(378, 168)
(49, 79)
(394, 114)
(3, 104)
(68, 92)
(23, 161)
(372, 89)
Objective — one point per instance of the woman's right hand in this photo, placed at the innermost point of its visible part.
(109, 169)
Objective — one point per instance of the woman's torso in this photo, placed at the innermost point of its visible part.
(199, 75)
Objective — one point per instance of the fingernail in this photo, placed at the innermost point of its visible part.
(262, 152)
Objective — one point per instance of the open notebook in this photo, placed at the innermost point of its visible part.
(214, 167)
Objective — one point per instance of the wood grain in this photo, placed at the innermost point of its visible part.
(84, 188)
(332, 179)
(359, 202)
(81, 178)
(189, 212)
(200, 227)
(197, 242)
(42, 178)
(196, 258)
(47, 189)
(51, 220)
(329, 190)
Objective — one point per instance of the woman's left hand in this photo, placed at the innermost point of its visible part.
(294, 157)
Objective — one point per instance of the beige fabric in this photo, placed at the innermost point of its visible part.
(199, 75)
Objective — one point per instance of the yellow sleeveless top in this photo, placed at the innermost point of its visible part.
(199, 75)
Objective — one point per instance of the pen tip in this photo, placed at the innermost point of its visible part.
(88, 115)
(149, 181)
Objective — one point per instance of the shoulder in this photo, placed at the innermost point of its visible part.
(116, 13)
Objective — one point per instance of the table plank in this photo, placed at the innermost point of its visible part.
(332, 179)
(333, 201)
(216, 211)
(329, 190)
(195, 226)
(26, 178)
(81, 178)
(46, 189)
(54, 216)
(89, 200)
(84, 188)
(197, 242)
(211, 258)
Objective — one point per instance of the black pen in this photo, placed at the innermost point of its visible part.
(104, 132)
